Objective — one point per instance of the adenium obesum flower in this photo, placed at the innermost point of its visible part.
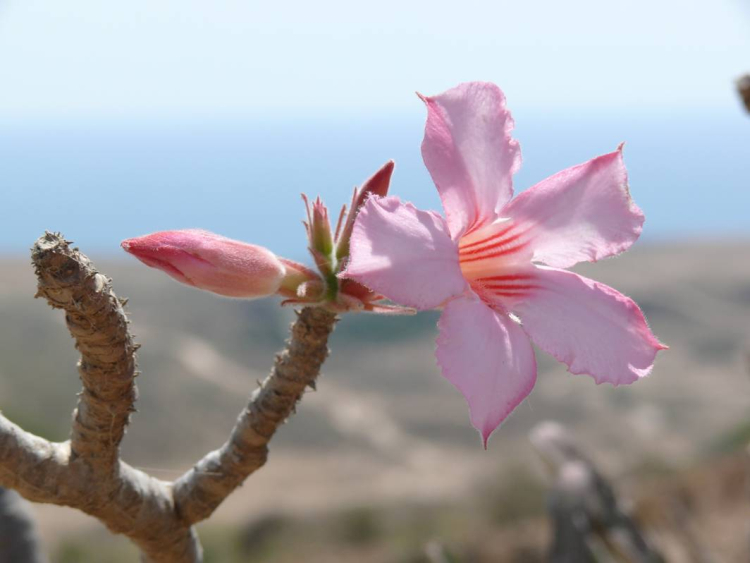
(237, 269)
(496, 266)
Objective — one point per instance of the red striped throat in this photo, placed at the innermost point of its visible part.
(496, 260)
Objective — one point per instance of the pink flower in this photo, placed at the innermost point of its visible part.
(495, 265)
(211, 262)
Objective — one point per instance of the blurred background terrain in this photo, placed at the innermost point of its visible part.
(382, 458)
(121, 119)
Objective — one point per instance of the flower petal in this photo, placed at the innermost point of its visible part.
(404, 253)
(583, 213)
(469, 152)
(487, 356)
(588, 326)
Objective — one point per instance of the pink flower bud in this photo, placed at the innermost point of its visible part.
(211, 262)
(378, 185)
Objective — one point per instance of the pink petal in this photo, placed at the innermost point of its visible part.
(404, 253)
(487, 356)
(589, 326)
(469, 152)
(583, 213)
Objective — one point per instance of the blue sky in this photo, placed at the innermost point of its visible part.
(173, 58)
(174, 114)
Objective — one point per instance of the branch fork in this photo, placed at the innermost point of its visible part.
(87, 473)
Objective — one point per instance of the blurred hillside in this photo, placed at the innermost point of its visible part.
(384, 432)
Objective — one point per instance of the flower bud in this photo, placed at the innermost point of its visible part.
(378, 185)
(208, 261)
(321, 238)
(319, 235)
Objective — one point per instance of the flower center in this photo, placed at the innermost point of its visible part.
(496, 259)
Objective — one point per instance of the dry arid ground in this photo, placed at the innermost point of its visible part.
(384, 448)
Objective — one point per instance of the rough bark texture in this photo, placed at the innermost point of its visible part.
(107, 367)
(32, 466)
(207, 484)
(86, 472)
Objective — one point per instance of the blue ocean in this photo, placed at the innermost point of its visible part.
(100, 181)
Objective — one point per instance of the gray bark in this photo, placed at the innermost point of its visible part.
(86, 472)
(207, 484)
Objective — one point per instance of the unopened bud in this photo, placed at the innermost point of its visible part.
(211, 262)
(319, 235)
(378, 185)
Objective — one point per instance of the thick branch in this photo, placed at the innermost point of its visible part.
(128, 502)
(31, 465)
(87, 474)
(212, 479)
(107, 366)
(142, 508)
